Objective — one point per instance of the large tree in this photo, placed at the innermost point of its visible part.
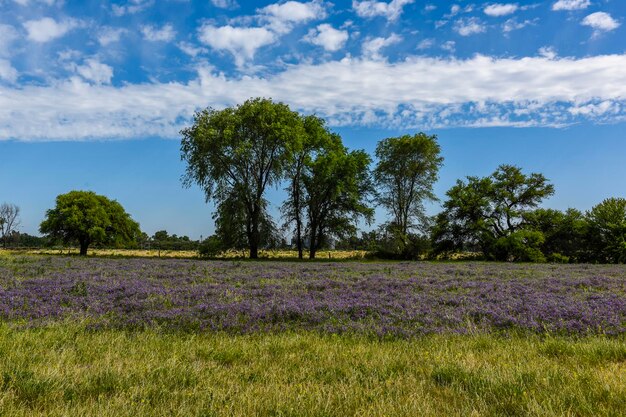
(9, 221)
(337, 184)
(405, 173)
(86, 218)
(482, 211)
(238, 152)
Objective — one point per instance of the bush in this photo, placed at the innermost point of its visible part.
(519, 246)
(211, 247)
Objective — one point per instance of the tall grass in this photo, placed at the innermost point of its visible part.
(66, 370)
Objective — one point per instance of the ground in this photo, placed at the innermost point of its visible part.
(115, 337)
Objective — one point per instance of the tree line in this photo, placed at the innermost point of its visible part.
(236, 154)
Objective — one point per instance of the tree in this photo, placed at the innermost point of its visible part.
(481, 211)
(337, 184)
(240, 151)
(230, 225)
(9, 221)
(564, 233)
(316, 136)
(405, 173)
(607, 231)
(86, 218)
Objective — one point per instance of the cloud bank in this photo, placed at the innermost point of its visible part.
(419, 93)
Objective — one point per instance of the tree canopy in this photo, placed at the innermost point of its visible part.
(86, 218)
(607, 231)
(483, 211)
(405, 173)
(337, 184)
(238, 152)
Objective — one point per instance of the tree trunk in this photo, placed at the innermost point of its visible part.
(299, 238)
(313, 241)
(83, 248)
(255, 236)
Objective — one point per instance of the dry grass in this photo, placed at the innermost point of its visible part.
(155, 253)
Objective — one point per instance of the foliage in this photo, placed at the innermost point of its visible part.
(88, 218)
(24, 240)
(406, 170)
(337, 185)
(238, 152)
(316, 137)
(162, 240)
(482, 211)
(230, 225)
(607, 231)
(564, 233)
(519, 246)
(211, 247)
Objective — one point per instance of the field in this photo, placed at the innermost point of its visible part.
(187, 254)
(143, 336)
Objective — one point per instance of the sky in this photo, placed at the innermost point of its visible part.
(93, 94)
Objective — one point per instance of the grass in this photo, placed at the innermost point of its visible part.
(64, 369)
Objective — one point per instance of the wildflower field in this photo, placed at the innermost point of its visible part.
(145, 336)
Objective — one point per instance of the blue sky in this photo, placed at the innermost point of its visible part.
(93, 94)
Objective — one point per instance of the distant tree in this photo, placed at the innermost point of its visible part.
(240, 151)
(86, 218)
(481, 211)
(607, 231)
(405, 173)
(9, 221)
(337, 184)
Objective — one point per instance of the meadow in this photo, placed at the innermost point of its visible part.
(146, 336)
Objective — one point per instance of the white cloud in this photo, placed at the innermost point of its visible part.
(547, 52)
(27, 2)
(47, 29)
(596, 109)
(154, 34)
(469, 26)
(242, 43)
(449, 46)
(571, 4)
(132, 7)
(372, 46)
(108, 36)
(419, 93)
(95, 71)
(8, 35)
(500, 9)
(327, 37)
(513, 24)
(430, 7)
(371, 8)
(7, 72)
(282, 16)
(426, 44)
(224, 4)
(191, 50)
(601, 22)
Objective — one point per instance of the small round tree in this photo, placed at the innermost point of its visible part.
(86, 218)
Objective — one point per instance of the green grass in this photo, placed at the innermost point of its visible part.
(66, 370)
